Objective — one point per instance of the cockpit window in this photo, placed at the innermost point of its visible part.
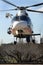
(17, 18)
(25, 18)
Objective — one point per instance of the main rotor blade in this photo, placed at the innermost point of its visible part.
(34, 11)
(35, 5)
(9, 3)
(9, 10)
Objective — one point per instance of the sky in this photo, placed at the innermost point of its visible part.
(36, 18)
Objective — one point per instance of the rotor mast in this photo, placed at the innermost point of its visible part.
(22, 11)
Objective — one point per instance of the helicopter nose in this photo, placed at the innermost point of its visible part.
(9, 30)
(19, 31)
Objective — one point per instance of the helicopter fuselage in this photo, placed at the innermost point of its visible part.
(21, 24)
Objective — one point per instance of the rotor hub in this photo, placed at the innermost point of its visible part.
(22, 8)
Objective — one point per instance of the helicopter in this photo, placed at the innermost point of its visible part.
(21, 26)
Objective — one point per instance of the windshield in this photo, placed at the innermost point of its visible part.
(17, 18)
(22, 18)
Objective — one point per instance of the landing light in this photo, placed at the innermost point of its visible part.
(16, 32)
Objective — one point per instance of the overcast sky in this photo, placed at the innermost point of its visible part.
(36, 18)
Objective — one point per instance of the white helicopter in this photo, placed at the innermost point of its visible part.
(21, 26)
